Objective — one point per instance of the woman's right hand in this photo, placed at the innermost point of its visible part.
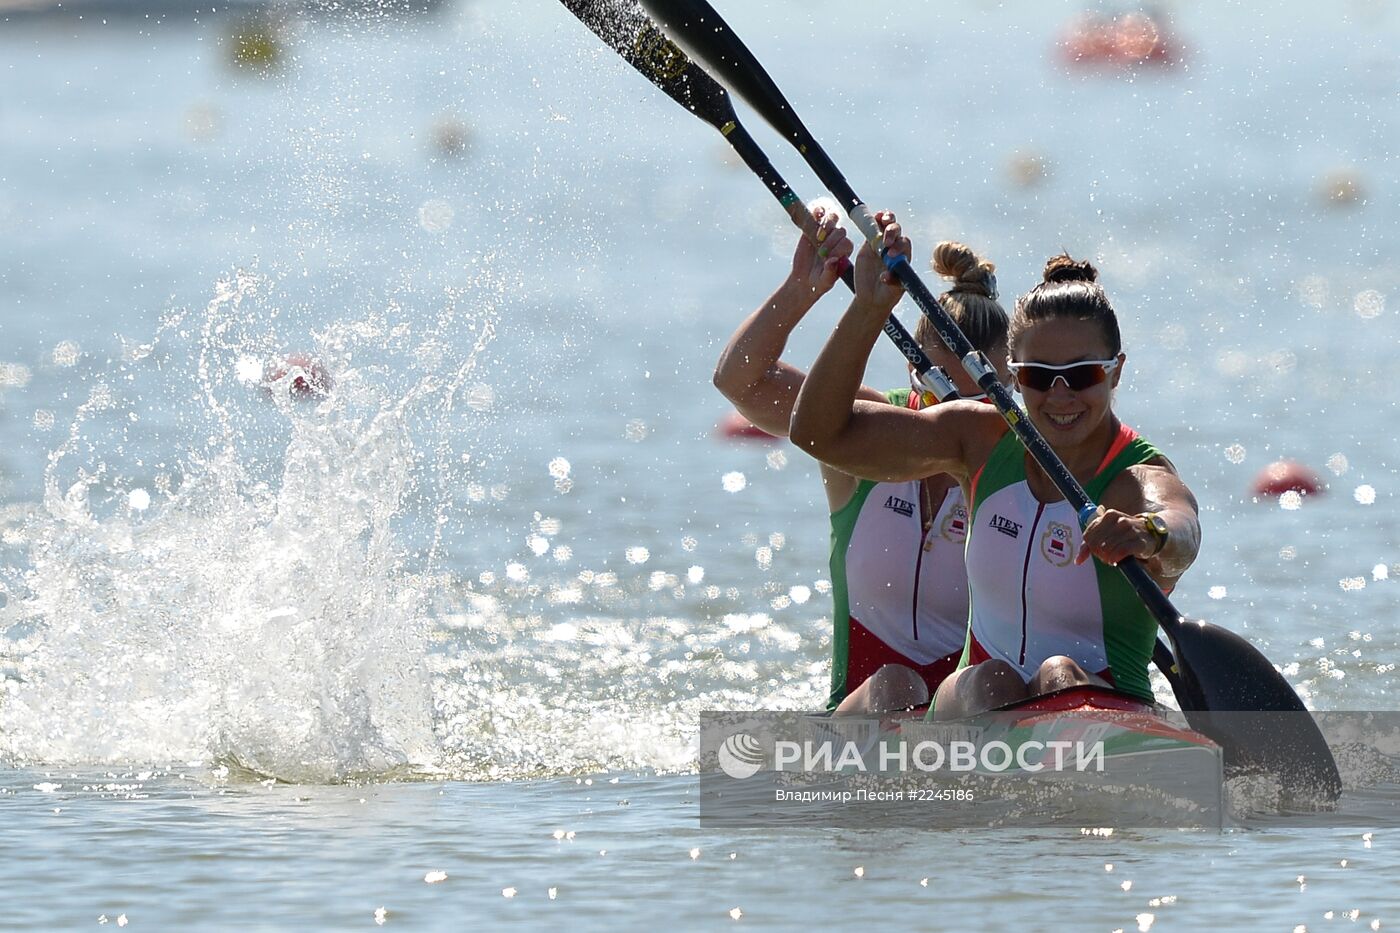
(823, 252)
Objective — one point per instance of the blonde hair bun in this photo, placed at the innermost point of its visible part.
(970, 274)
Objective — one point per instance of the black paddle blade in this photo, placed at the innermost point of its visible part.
(1231, 692)
(624, 26)
(701, 31)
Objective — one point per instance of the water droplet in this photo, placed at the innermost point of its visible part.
(436, 215)
(1369, 304)
(1234, 453)
(248, 369)
(1312, 290)
(14, 376)
(734, 481)
(1364, 494)
(481, 397)
(65, 354)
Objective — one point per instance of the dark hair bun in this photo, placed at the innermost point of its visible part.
(1063, 268)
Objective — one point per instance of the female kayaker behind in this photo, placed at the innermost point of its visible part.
(898, 578)
(1043, 615)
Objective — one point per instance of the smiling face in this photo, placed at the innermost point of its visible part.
(1068, 418)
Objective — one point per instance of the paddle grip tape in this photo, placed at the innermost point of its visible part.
(1087, 514)
(865, 222)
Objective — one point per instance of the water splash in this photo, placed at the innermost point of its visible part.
(256, 613)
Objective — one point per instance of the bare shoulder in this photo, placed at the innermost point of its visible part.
(1149, 487)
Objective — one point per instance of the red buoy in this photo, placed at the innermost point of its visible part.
(1287, 476)
(735, 425)
(309, 379)
(1119, 42)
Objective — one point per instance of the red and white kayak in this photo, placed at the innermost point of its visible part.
(1125, 723)
(1123, 753)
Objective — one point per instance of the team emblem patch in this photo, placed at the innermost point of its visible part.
(1056, 544)
(954, 526)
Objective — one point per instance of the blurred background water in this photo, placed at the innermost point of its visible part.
(271, 660)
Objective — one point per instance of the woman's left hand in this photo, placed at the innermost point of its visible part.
(1113, 535)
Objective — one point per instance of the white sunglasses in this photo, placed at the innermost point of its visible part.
(1076, 376)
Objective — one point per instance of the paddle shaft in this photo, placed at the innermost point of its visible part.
(627, 29)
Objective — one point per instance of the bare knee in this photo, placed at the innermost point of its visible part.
(979, 688)
(1059, 673)
(893, 687)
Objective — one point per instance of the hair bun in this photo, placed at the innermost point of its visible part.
(970, 274)
(1065, 268)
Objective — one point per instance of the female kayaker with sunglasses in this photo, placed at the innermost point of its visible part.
(898, 579)
(1044, 615)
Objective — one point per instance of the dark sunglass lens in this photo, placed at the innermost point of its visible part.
(1077, 378)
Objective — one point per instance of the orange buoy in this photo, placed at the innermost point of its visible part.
(309, 378)
(1127, 41)
(1287, 476)
(735, 425)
